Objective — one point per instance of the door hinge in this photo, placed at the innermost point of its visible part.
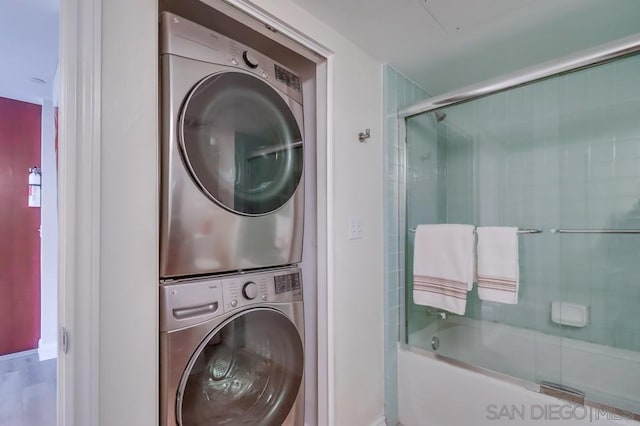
(65, 340)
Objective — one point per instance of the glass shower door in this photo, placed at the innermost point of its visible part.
(488, 163)
(599, 250)
(561, 155)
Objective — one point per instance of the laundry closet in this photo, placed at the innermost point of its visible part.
(237, 220)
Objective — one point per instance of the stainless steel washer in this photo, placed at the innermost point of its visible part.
(232, 350)
(232, 190)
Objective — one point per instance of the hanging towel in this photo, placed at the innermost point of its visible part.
(443, 266)
(498, 269)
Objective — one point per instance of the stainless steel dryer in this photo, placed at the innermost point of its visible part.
(231, 350)
(232, 195)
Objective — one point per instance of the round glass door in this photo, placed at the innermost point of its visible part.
(246, 373)
(242, 143)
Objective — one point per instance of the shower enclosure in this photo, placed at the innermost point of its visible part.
(555, 151)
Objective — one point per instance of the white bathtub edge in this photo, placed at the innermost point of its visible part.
(381, 421)
(436, 393)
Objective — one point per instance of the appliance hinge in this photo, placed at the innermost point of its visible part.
(65, 340)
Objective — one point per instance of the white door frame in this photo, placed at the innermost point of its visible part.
(79, 210)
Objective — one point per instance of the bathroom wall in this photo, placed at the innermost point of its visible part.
(398, 93)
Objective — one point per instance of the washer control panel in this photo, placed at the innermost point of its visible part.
(187, 302)
(250, 290)
(279, 286)
(243, 290)
(285, 283)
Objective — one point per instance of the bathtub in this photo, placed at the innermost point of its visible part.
(606, 375)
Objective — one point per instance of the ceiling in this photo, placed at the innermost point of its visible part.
(28, 48)
(444, 45)
(440, 44)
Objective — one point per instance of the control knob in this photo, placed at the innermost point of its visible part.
(250, 290)
(249, 59)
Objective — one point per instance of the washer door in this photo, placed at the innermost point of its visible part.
(248, 372)
(242, 142)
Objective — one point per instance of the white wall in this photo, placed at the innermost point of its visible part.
(48, 343)
(128, 364)
(357, 178)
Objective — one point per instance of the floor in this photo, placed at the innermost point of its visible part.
(27, 391)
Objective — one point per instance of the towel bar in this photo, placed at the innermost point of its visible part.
(594, 231)
(520, 231)
(571, 231)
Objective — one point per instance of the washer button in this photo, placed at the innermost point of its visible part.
(264, 297)
(234, 303)
(234, 61)
(250, 290)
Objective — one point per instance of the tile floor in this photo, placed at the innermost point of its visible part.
(27, 391)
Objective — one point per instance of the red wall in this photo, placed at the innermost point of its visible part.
(20, 134)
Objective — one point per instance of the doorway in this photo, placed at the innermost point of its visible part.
(28, 212)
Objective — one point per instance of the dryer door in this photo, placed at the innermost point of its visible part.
(247, 372)
(242, 142)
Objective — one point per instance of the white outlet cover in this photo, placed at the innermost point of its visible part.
(354, 230)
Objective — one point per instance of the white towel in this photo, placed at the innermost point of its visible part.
(498, 269)
(443, 266)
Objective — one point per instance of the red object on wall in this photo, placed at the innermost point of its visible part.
(20, 133)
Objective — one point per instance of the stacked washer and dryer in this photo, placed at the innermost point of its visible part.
(232, 206)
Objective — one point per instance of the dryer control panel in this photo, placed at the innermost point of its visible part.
(184, 38)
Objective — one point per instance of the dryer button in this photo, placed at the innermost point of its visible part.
(234, 303)
(249, 59)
